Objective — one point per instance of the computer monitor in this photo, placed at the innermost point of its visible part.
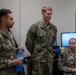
(65, 37)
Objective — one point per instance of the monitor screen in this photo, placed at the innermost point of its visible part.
(65, 37)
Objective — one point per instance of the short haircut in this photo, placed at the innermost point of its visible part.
(72, 39)
(45, 8)
(4, 12)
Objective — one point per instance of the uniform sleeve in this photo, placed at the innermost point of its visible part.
(62, 63)
(31, 34)
(4, 62)
(55, 33)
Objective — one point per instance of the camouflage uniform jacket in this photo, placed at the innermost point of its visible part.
(67, 61)
(40, 40)
(7, 53)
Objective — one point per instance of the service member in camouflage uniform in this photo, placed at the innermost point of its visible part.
(67, 60)
(7, 44)
(39, 42)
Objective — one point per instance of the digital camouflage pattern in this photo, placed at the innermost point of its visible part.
(7, 53)
(39, 42)
(67, 61)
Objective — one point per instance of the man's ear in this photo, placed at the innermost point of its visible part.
(3, 19)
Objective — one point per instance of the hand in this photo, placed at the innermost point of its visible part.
(74, 70)
(17, 61)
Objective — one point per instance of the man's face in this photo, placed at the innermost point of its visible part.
(9, 21)
(47, 15)
(72, 44)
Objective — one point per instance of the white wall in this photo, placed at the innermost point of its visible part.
(64, 16)
(27, 12)
(30, 13)
(14, 7)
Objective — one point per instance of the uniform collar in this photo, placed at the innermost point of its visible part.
(72, 51)
(42, 25)
(6, 34)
